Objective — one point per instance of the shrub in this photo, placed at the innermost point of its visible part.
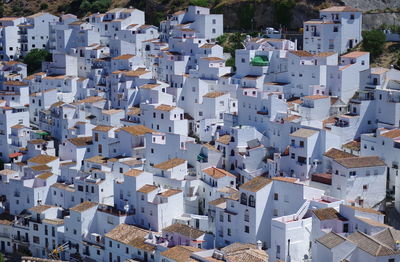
(202, 3)
(373, 42)
(34, 59)
(283, 11)
(44, 6)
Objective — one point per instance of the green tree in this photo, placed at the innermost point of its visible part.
(397, 65)
(34, 59)
(203, 3)
(373, 42)
(44, 6)
(1, 9)
(283, 11)
(1, 257)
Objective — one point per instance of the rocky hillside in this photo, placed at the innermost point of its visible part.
(249, 15)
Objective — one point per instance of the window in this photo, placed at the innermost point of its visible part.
(36, 240)
(35, 227)
(276, 196)
(246, 229)
(278, 251)
(365, 187)
(229, 231)
(221, 217)
(275, 212)
(243, 199)
(247, 216)
(351, 17)
(229, 218)
(252, 201)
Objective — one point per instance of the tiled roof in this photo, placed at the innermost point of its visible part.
(353, 145)
(336, 154)
(54, 221)
(225, 139)
(149, 86)
(133, 172)
(40, 209)
(370, 245)
(362, 161)
(389, 237)
(136, 130)
(331, 240)
(164, 107)
(355, 54)
(184, 230)
(42, 159)
(170, 192)
(81, 141)
(237, 246)
(92, 99)
(63, 187)
(371, 222)
(103, 128)
(40, 167)
(217, 173)
(253, 255)
(363, 209)
(36, 141)
(45, 176)
(174, 162)
(394, 133)
(316, 97)
(212, 58)
(324, 178)
(285, 179)
(130, 235)
(304, 133)
(147, 189)
(327, 214)
(214, 94)
(83, 206)
(345, 8)
(255, 184)
(180, 253)
(122, 57)
(301, 53)
(111, 111)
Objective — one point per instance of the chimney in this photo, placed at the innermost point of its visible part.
(259, 245)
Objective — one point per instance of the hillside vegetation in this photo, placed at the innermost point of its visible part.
(238, 14)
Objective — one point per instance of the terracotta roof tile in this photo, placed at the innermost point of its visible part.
(359, 162)
(174, 162)
(83, 206)
(255, 184)
(42, 159)
(217, 173)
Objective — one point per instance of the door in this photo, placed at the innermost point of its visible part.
(3, 246)
(145, 256)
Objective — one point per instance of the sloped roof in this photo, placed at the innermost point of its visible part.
(184, 230)
(331, 240)
(362, 161)
(180, 253)
(174, 162)
(255, 184)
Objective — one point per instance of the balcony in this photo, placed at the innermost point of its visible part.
(259, 60)
(20, 239)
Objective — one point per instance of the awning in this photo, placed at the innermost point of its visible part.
(13, 155)
(42, 133)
